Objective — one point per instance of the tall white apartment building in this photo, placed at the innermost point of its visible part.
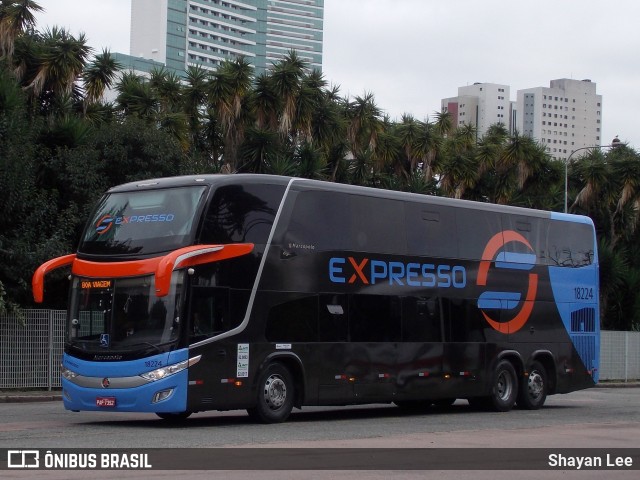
(480, 105)
(563, 117)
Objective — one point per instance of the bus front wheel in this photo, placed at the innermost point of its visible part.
(174, 417)
(533, 388)
(505, 387)
(275, 395)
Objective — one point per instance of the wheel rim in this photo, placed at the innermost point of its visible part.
(275, 392)
(535, 385)
(505, 386)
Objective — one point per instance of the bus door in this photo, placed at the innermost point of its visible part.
(464, 361)
(374, 334)
(211, 380)
(419, 364)
(336, 373)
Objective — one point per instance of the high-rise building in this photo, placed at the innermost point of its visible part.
(480, 105)
(563, 117)
(181, 33)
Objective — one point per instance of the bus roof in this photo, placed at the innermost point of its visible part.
(308, 184)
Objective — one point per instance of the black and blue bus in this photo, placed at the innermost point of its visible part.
(265, 293)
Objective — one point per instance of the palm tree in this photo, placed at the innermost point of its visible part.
(229, 91)
(408, 131)
(525, 155)
(365, 123)
(625, 165)
(286, 82)
(265, 103)
(167, 86)
(194, 98)
(136, 97)
(444, 123)
(459, 172)
(310, 99)
(60, 63)
(388, 152)
(594, 174)
(427, 148)
(309, 161)
(99, 76)
(16, 17)
(260, 147)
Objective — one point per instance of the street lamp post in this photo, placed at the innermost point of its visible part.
(614, 143)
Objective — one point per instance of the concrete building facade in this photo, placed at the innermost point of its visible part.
(182, 33)
(480, 105)
(563, 117)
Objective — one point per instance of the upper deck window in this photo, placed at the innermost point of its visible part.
(242, 213)
(143, 222)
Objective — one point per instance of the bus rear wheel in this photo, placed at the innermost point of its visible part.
(533, 388)
(504, 390)
(275, 395)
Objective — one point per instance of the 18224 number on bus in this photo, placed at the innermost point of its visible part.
(583, 293)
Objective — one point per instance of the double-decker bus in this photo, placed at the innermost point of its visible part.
(265, 293)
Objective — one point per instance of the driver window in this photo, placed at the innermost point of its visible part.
(209, 313)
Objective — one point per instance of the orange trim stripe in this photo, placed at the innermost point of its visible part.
(161, 267)
(37, 281)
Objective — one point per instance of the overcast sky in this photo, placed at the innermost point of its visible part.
(412, 53)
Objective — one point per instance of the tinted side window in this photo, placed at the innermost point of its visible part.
(242, 214)
(374, 318)
(474, 229)
(377, 225)
(294, 321)
(333, 319)
(431, 230)
(319, 220)
(569, 244)
(421, 319)
(533, 230)
(210, 313)
(463, 322)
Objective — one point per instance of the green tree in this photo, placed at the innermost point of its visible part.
(16, 17)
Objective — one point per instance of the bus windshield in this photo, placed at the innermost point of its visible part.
(143, 222)
(123, 314)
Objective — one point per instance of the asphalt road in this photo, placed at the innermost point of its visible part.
(596, 419)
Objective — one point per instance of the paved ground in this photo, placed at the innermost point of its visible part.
(39, 395)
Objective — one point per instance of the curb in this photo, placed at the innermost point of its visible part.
(21, 398)
(633, 384)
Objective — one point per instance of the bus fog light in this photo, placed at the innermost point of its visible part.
(162, 395)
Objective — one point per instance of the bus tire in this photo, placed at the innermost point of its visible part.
(411, 406)
(275, 395)
(444, 403)
(504, 390)
(533, 388)
(174, 417)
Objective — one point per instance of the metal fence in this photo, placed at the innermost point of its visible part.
(31, 347)
(620, 356)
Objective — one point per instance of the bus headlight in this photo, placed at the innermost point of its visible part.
(164, 372)
(66, 373)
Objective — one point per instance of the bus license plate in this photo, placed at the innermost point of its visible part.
(105, 401)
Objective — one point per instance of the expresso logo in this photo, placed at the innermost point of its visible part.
(366, 271)
(106, 222)
(507, 301)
